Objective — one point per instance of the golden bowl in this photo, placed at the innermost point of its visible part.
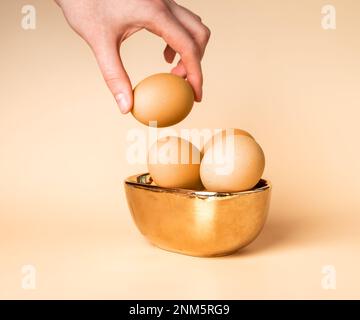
(197, 223)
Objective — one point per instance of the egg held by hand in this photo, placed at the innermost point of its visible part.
(234, 163)
(164, 98)
(175, 163)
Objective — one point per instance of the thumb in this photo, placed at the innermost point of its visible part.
(114, 73)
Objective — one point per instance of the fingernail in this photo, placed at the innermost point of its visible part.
(123, 102)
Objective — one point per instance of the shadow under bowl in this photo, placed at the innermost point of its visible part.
(197, 223)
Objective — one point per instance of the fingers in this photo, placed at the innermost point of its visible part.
(179, 39)
(199, 32)
(169, 55)
(179, 69)
(193, 24)
(113, 71)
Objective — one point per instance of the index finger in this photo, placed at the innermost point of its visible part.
(177, 37)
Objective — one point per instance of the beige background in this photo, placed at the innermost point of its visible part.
(270, 68)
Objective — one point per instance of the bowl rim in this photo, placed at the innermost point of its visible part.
(134, 182)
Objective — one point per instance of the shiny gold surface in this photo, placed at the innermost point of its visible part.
(197, 223)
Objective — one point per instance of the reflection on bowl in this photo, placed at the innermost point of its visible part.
(197, 223)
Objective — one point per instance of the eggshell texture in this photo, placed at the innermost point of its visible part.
(235, 163)
(175, 163)
(222, 134)
(163, 97)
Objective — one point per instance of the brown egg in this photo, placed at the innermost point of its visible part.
(222, 134)
(235, 163)
(163, 97)
(175, 163)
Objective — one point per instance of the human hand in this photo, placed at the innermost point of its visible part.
(105, 24)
